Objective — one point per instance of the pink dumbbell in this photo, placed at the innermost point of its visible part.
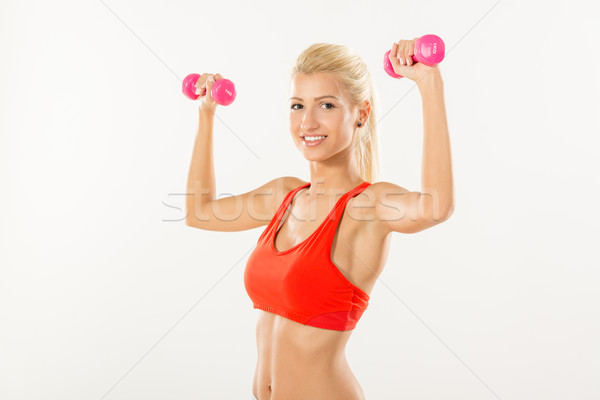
(429, 50)
(223, 90)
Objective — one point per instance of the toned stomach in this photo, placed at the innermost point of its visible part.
(299, 362)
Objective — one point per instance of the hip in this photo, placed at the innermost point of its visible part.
(316, 383)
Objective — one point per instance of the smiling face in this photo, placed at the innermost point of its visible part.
(320, 107)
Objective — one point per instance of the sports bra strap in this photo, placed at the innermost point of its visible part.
(326, 231)
(286, 202)
(333, 220)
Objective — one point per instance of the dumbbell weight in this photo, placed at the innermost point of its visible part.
(429, 50)
(223, 90)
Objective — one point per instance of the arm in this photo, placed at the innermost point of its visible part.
(233, 213)
(436, 175)
(201, 176)
(409, 212)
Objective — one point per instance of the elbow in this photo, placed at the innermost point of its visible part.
(448, 211)
(436, 213)
(189, 216)
(442, 214)
(191, 219)
(190, 222)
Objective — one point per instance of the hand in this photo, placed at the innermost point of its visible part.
(401, 58)
(203, 88)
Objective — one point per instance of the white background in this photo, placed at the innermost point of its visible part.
(105, 293)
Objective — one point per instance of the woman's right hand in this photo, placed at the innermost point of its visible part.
(204, 86)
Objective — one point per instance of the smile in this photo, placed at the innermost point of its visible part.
(313, 140)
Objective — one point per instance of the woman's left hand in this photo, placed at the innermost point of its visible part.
(401, 58)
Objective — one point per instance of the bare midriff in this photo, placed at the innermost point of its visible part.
(300, 362)
(297, 361)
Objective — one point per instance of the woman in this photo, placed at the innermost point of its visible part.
(326, 240)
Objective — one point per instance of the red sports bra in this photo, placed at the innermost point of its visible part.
(302, 283)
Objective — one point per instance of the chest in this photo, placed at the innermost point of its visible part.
(359, 248)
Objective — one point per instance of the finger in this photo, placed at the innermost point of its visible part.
(218, 76)
(396, 66)
(399, 50)
(210, 81)
(402, 52)
(410, 52)
(201, 80)
(394, 60)
(200, 84)
(393, 52)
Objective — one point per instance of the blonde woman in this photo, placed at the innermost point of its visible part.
(326, 241)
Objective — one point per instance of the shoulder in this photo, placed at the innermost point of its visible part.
(397, 209)
(369, 204)
(284, 184)
(376, 192)
(292, 182)
(277, 188)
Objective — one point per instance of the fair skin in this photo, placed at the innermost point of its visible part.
(332, 166)
(297, 361)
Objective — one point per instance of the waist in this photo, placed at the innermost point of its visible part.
(280, 334)
(301, 361)
(288, 378)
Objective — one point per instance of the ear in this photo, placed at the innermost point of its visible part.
(364, 110)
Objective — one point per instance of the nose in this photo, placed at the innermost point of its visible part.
(308, 121)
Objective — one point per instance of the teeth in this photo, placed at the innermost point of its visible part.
(313, 138)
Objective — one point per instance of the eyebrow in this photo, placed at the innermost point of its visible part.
(316, 98)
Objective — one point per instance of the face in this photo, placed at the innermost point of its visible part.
(319, 107)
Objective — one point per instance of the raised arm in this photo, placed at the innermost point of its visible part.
(233, 213)
(201, 177)
(409, 212)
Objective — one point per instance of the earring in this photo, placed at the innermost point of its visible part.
(359, 124)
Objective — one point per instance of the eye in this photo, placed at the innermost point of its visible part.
(297, 104)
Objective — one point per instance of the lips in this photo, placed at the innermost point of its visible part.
(312, 143)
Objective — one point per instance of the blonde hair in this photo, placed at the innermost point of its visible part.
(352, 72)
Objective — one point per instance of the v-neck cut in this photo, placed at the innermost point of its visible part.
(281, 221)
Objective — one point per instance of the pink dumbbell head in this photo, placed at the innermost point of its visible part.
(429, 50)
(223, 90)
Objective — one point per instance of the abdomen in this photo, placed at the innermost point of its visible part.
(297, 361)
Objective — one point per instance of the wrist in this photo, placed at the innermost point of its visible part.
(205, 111)
(432, 80)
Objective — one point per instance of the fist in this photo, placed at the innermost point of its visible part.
(401, 57)
(203, 89)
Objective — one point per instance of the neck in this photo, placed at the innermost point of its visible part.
(331, 178)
